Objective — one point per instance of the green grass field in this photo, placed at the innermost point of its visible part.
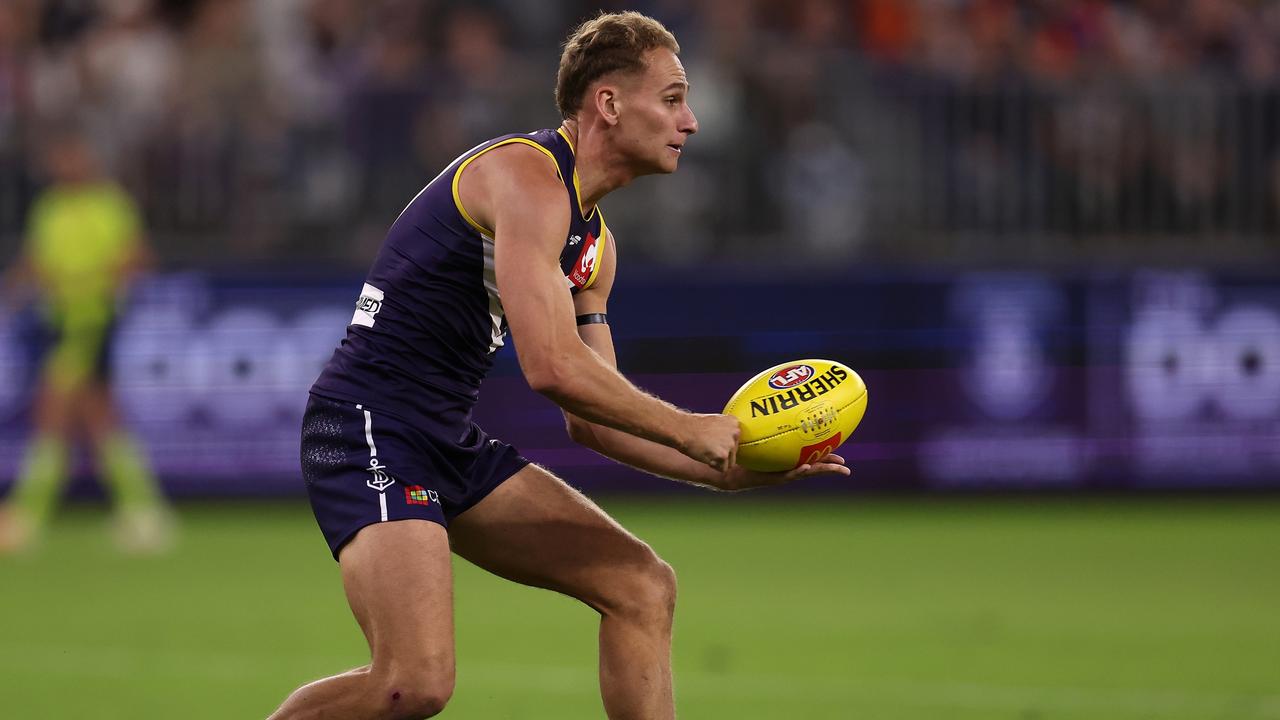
(832, 608)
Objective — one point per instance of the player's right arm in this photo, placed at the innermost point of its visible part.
(21, 281)
(516, 191)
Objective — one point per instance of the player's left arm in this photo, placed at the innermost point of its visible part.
(643, 454)
(22, 281)
(137, 262)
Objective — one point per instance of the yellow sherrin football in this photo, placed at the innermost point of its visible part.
(796, 412)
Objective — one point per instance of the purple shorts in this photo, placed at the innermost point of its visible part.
(363, 466)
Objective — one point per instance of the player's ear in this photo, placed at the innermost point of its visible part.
(607, 103)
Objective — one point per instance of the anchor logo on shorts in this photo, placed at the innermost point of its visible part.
(380, 480)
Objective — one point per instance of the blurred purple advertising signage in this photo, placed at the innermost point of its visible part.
(1007, 380)
(1200, 379)
(1174, 382)
(1014, 422)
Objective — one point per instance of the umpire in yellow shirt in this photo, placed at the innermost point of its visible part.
(84, 245)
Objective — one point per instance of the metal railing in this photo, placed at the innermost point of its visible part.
(882, 166)
(1172, 173)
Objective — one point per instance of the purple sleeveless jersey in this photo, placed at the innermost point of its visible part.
(430, 318)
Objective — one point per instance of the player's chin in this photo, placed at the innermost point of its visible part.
(669, 160)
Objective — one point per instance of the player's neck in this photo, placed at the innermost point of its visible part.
(600, 171)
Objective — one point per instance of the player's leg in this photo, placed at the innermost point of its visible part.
(144, 522)
(67, 367)
(44, 468)
(536, 530)
(399, 582)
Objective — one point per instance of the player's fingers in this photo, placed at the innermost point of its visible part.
(829, 464)
(821, 468)
(733, 445)
(796, 473)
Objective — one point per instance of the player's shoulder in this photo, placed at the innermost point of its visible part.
(515, 167)
(531, 155)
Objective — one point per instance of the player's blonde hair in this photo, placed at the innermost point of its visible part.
(607, 43)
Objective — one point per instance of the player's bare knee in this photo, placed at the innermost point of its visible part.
(658, 590)
(648, 595)
(416, 703)
(416, 694)
(665, 579)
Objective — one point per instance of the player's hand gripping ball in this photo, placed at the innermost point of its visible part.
(796, 413)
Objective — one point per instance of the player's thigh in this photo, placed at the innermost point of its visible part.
(54, 411)
(536, 530)
(96, 411)
(399, 582)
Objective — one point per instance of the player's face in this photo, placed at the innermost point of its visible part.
(656, 119)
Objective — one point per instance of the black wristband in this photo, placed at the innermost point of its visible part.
(593, 318)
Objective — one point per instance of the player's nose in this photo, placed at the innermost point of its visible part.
(688, 123)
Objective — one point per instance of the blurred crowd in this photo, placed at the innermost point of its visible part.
(1056, 41)
(294, 130)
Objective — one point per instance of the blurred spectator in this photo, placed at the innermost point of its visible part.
(217, 158)
(823, 185)
(130, 59)
(17, 35)
(84, 247)
(480, 88)
(388, 99)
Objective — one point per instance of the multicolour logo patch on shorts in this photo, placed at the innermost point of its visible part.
(418, 495)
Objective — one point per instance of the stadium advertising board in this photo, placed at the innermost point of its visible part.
(976, 381)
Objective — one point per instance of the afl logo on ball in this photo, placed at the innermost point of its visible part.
(789, 377)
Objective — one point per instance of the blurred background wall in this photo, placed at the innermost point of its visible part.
(1046, 232)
